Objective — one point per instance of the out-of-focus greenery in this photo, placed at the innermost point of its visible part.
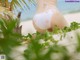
(45, 47)
(78, 41)
(40, 46)
(9, 38)
(11, 4)
(44, 51)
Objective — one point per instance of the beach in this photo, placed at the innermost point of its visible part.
(61, 44)
(69, 41)
(27, 26)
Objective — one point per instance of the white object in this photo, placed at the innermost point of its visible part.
(48, 16)
(43, 20)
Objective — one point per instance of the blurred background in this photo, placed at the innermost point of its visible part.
(64, 7)
(28, 11)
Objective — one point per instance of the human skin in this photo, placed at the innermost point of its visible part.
(56, 18)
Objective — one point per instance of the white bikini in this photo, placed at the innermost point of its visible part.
(43, 20)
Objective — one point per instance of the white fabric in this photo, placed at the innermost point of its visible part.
(43, 20)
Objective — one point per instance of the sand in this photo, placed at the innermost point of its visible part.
(72, 17)
(69, 42)
(29, 28)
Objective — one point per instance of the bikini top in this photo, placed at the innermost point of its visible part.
(43, 20)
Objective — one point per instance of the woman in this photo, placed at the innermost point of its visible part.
(48, 16)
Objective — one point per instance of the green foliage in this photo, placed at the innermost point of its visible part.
(43, 51)
(13, 4)
(40, 46)
(8, 37)
(78, 43)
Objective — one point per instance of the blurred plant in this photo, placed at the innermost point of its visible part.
(78, 42)
(9, 37)
(40, 46)
(10, 5)
(45, 47)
